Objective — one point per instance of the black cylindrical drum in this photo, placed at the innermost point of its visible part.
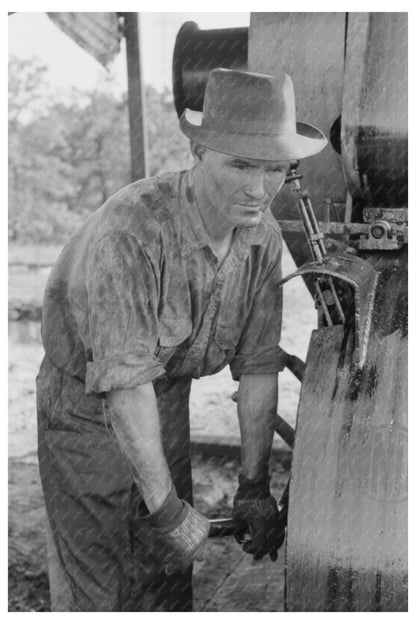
(196, 53)
(374, 126)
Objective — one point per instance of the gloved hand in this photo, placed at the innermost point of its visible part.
(181, 531)
(256, 512)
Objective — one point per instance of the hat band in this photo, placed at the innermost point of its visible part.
(239, 126)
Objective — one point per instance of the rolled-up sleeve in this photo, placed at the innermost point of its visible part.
(123, 294)
(258, 351)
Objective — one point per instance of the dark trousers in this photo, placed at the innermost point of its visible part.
(101, 557)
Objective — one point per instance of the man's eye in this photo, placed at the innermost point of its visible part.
(279, 170)
(241, 166)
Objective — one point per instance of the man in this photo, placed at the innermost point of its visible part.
(173, 278)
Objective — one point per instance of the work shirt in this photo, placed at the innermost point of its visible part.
(137, 294)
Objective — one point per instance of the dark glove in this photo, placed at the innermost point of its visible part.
(180, 530)
(256, 512)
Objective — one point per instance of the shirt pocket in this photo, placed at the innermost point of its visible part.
(227, 334)
(62, 402)
(174, 331)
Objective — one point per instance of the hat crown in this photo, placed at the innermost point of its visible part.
(237, 101)
(251, 116)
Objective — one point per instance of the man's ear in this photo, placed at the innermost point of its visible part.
(197, 150)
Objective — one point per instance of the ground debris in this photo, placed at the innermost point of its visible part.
(28, 590)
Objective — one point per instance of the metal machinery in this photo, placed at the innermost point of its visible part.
(347, 521)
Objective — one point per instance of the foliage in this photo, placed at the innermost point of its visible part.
(69, 152)
(168, 148)
(28, 88)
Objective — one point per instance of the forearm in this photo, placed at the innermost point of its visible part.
(135, 420)
(257, 407)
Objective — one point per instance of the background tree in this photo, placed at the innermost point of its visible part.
(69, 152)
(168, 147)
(32, 169)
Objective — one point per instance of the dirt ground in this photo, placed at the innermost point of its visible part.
(212, 414)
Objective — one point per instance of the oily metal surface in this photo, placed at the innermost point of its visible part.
(347, 529)
(363, 278)
(374, 110)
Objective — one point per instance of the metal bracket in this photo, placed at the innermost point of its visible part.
(369, 236)
(387, 229)
(362, 276)
(383, 236)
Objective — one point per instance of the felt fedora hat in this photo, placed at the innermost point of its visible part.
(251, 116)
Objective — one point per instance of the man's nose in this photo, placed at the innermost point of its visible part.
(255, 186)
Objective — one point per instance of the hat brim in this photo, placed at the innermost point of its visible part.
(307, 140)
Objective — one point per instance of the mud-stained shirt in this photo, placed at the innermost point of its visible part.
(137, 293)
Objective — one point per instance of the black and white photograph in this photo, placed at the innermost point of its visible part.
(207, 310)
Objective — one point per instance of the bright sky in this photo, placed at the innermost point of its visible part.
(33, 34)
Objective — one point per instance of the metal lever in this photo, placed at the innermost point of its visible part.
(222, 527)
(355, 271)
(310, 224)
(316, 242)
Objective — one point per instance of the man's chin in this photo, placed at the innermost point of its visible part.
(253, 222)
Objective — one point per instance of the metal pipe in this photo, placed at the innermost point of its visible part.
(323, 302)
(138, 142)
(319, 237)
(337, 301)
(315, 239)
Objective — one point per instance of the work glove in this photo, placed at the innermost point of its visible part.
(180, 530)
(255, 512)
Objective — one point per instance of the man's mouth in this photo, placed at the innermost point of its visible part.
(253, 209)
(253, 206)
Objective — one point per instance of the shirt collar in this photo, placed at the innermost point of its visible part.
(195, 235)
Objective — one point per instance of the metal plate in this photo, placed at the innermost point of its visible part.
(347, 536)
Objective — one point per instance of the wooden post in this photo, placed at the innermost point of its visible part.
(137, 118)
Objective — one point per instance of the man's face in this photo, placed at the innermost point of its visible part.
(240, 189)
